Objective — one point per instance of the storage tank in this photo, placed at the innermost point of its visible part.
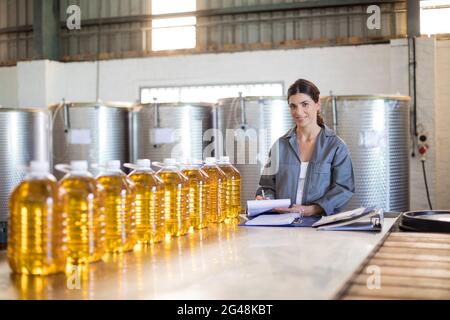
(249, 126)
(170, 130)
(376, 130)
(96, 132)
(24, 136)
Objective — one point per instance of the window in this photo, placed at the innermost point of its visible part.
(434, 17)
(210, 93)
(173, 33)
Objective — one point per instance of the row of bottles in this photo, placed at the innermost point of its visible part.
(79, 218)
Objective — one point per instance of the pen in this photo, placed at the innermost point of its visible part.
(263, 193)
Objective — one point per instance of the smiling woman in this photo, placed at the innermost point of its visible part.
(309, 164)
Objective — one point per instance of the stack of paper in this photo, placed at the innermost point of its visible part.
(273, 219)
(256, 207)
(361, 219)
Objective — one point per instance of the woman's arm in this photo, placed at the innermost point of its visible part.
(342, 183)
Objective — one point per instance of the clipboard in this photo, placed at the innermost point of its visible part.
(272, 219)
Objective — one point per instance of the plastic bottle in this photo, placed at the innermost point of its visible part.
(176, 195)
(81, 201)
(233, 186)
(217, 191)
(198, 194)
(36, 236)
(149, 203)
(119, 195)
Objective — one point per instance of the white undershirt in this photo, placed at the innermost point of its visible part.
(301, 182)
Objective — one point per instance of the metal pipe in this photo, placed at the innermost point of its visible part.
(157, 118)
(66, 116)
(334, 110)
(412, 90)
(243, 111)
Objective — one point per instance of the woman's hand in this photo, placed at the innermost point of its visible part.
(307, 211)
(261, 198)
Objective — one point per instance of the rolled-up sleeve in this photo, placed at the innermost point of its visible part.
(342, 185)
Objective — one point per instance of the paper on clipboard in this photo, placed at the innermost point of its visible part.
(273, 219)
(255, 207)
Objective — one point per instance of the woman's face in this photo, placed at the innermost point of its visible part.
(303, 109)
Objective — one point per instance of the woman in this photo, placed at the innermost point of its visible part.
(309, 164)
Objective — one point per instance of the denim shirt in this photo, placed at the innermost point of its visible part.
(329, 180)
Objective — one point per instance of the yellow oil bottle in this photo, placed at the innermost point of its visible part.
(149, 202)
(198, 196)
(233, 186)
(81, 201)
(176, 195)
(217, 191)
(119, 196)
(36, 235)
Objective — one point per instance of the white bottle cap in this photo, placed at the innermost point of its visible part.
(39, 166)
(170, 162)
(185, 161)
(113, 165)
(81, 165)
(225, 159)
(143, 163)
(210, 160)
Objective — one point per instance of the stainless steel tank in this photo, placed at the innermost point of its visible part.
(170, 130)
(96, 132)
(249, 126)
(24, 136)
(376, 130)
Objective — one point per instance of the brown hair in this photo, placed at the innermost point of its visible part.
(309, 88)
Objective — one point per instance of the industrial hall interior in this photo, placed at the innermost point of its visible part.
(224, 150)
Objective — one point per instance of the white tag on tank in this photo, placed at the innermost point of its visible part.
(162, 136)
(371, 139)
(79, 136)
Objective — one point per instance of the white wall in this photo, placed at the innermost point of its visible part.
(433, 113)
(443, 124)
(345, 70)
(8, 86)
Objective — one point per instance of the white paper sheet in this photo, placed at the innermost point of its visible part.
(339, 216)
(255, 207)
(273, 219)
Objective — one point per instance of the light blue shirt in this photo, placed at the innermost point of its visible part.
(329, 180)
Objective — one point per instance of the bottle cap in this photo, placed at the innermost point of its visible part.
(81, 165)
(225, 159)
(39, 166)
(210, 160)
(170, 162)
(113, 165)
(143, 163)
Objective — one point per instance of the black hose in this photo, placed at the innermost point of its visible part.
(426, 184)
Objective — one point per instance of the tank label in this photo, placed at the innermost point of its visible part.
(163, 136)
(80, 136)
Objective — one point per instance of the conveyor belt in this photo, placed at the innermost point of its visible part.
(409, 265)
